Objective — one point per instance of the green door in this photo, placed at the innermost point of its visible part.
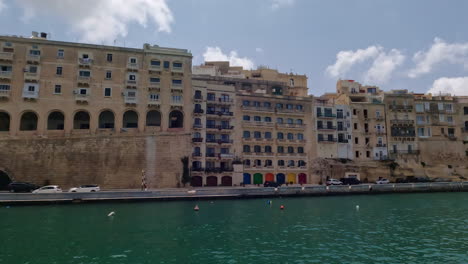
(258, 178)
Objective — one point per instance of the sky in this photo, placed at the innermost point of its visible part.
(419, 45)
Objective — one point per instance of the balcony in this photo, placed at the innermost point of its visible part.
(326, 115)
(31, 76)
(198, 169)
(296, 126)
(327, 140)
(33, 58)
(326, 128)
(404, 152)
(6, 56)
(85, 80)
(219, 113)
(30, 94)
(197, 140)
(344, 141)
(5, 75)
(5, 93)
(177, 69)
(197, 126)
(198, 111)
(154, 86)
(379, 118)
(380, 132)
(132, 66)
(198, 98)
(131, 83)
(380, 145)
(402, 122)
(257, 108)
(289, 111)
(130, 99)
(177, 87)
(154, 103)
(85, 62)
(401, 108)
(196, 155)
(226, 156)
(177, 102)
(82, 98)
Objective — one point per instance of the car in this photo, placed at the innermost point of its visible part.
(382, 181)
(401, 180)
(334, 182)
(350, 181)
(271, 184)
(441, 180)
(86, 188)
(48, 189)
(21, 187)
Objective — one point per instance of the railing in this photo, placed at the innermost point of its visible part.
(405, 152)
(401, 107)
(258, 108)
(131, 82)
(199, 126)
(6, 56)
(198, 111)
(6, 74)
(327, 140)
(198, 98)
(197, 140)
(196, 155)
(30, 94)
(325, 115)
(197, 169)
(83, 61)
(219, 113)
(132, 66)
(84, 78)
(343, 141)
(326, 128)
(4, 93)
(35, 58)
(380, 145)
(130, 100)
(81, 97)
(402, 121)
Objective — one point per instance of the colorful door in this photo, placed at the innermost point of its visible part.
(291, 178)
(211, 181)
(258, 178)
(197, 181)
(226, 181)
(280, 178)
(269, 177)
(247, 178)
(302, 178)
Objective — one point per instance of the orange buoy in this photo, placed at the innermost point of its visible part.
(196, 208)
(282, 207)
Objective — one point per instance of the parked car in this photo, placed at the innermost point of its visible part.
(350, 181)
(21, 187)
(271, 184)
(401, 180)
(86, 188)
(382, 181)
(333, 182)
(441, 180)
(48, 189)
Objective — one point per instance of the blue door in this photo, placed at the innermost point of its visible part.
(280, 178)
(247, 178)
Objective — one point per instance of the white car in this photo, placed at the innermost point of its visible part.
(48, 189)
(334, 182)
(382, 181)
(86, 188)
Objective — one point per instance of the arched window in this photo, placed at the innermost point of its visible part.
(280, 149)
(300, 136)
(300, 149)
(290, 136)
(197, 135)
(291, 163)
(257, 149)
(246, 118)
(247, 162)
(246, 148)
(197, 122)
(198, 94)
(196, 164)
(28, 121)
(257, 118)
(196, 150)
(130, 119)
(267, 119)
(55, 121)
(268, 163)
(81, 120)
(290, 121)
(268, 149)
(257, 134)
(280, 162)
(4, 121)
(299, 121)
(153, 118)
(280, 135)
(246, 134)
(258, 162)
(301, 163)
(279, 120)
(106, 119)
(267, 134)
(176, 119)
(198, 108)
(290, 149)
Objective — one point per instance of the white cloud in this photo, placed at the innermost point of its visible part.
(99, 21)
(383, 67)
(345, 59)
(276, 4)
(259, 50)
(216, 54)
(2, 5)
(454, 86)
(440, 51)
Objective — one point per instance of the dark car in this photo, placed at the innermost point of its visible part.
(271, 184)
(401, 180)
(22, 187)
(350, 181)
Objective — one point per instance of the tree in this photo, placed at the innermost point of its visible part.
(186, 178)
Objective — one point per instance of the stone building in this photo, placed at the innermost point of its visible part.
(76, 112)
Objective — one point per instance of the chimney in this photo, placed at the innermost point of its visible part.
(43, 35)
(34, 34)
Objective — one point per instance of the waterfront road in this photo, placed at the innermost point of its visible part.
(196, 193)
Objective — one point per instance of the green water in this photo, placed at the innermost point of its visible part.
(406, 228)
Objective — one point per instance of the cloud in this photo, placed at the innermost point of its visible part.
(383, 67)
(276, 4)
(2, 5)
(259, 50)
(454, 86)
(345, 59)
(216, 54)
(99, 21)
(439, 52)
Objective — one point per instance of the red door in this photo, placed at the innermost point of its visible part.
(211, 181)
(302, 178)
(226, 181)
(197, 181)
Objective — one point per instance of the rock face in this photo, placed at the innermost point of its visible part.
(111, 161)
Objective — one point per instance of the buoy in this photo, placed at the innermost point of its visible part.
(357, 207)
(111, 213)
(282, 207)
(196, 208)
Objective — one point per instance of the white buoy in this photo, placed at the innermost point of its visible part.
(357, 207)
(111, 213)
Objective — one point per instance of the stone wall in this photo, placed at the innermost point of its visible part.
(110, 161)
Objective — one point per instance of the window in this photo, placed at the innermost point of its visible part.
(258, 162)
(289, 106)
(355, 125)
(299, 121)
(300, 150)
(290, 136)
(132, 77)
(257, 149)
(177, 65)
(354, 112)
(257, 134)
(109, 57)
(267, 119)
(133, 60)
(155, 63)
(58, 70)
(155, 97)
(166, 64)
(155, 80)
(300, 136)
(420, 131)
(339, 113)
(60, 53)
(368, 154)
(267, 134)
(176, 82)
(357, 154)
(247, 162)
(356, 140)
(450, 119)
(300, 107)
(4, 87)
(58, 89)
(291, 163)
(256, 103)
(277, 90)
(280, 149)
(85, 73)
(280, 162)
(83, 91)
(85, 56)
(268, 149)
(107, 92)
(245, 103)
(246, 134)
(33, 69)
(177, 98)
(31, 88)
(246, 118)
(257, 118)
(420, 119)
(108, 75)
(279, 120)
(35, 52)
(419, 108)
(290, 150)
(279, 106)
(266, 104)
(290, 121)
(280, 135)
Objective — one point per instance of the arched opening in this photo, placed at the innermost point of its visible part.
(197, 181)
(226, 181)
(4, 121)
(291, 178)
(269, 177)
(258, 178)
(4, 180)
(153, 118)
(211, 181)
(302, 178)
(28, 121)
(81, 120)
(247, 178)
(280, 178)
(466, 126)
(106, 119)
(176, 119)
(55, 121)
(130, 119)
